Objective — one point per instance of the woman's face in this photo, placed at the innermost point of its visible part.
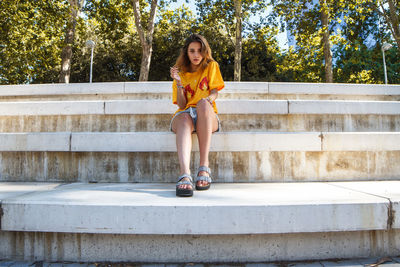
(194, 53)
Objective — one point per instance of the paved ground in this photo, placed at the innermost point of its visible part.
(371, 262)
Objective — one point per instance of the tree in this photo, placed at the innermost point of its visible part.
(31, 34)
(324, 9)
(172, 28)
(309, 21)
(110, 23)
(359, 56)
(307, 18)
(390, 11)
(229, 17)
(34, 33)
(66, 54)
(238, 40)
(260, 54)
(146, 36)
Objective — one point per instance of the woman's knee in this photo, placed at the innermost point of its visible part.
(183, 120)
(203, 107)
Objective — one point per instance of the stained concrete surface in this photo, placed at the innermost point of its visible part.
(368, 262)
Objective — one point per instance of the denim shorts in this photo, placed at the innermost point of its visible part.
(193, 114)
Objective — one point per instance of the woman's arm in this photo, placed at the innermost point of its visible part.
(215, 81)
(213, 95)
(181, 96)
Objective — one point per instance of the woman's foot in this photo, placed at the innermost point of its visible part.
(184, 186)
(203, 183)
(203, 180)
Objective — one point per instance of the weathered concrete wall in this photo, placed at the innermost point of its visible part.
(222, 95)
(226, 166)
(189, 248)
(229, 122)
(71, 97)
(86, 123)
(227, 95)
(310, 123)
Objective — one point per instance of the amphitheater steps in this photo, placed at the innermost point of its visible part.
(301, 172)
(254, 222)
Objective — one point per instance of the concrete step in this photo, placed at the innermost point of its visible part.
(234, 157)
(162, 90)
(230, 222)
(273, 132)
(192, 249)
(112, 107)
(154, 208)
(229, 123)
(236, 115)
(161, 167)
(221, 142)
(358, 262)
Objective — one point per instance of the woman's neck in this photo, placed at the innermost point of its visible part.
(193, 68)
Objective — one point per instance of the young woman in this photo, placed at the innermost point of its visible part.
(197, 80)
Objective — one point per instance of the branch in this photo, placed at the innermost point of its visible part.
(376, 8)
(136, 13)
(388, 21)
(229, 35)
(150, 26)
(393, 16)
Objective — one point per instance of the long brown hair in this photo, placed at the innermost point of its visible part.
(183, 62)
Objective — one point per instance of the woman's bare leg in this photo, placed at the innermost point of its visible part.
(207, 123)
(183, 127)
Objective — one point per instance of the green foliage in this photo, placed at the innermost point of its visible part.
(117, 53)
(32, 36)
(366, 65)
(31, 39)
(259, 57)
(393, 65)
(357, 65)
(169, 35)
(301, 65)
(357, 60)
(221, 13)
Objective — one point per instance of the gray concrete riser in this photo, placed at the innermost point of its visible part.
(226, 166)
(222, 95)
(229, 123)
(29, 246)
(77, 97)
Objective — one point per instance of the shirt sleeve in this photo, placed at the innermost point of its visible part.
(174, 93)
(215, 77)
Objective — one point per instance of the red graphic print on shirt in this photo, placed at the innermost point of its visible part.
(189, 89)
(204, 84)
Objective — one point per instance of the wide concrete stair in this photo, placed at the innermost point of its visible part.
(302, 171)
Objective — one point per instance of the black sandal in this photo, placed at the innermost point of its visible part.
(180, 192)
(203, 178)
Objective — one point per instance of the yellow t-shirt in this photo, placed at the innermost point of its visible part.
(199, 85)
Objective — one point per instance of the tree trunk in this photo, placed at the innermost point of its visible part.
(390, 16)
(66, 54)
(394, 21)
(146, 37)
(326, 42)
(145, 64)
(238, 41)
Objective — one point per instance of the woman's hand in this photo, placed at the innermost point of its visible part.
(175, 74)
